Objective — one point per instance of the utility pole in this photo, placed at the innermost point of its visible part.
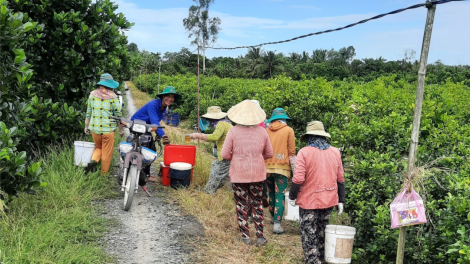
(159, 66)
(146, 73)
(417, 114)
(198, 128)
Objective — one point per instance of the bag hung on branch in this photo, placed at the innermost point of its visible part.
(407, 209)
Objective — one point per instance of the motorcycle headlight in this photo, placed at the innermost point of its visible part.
(138, 128)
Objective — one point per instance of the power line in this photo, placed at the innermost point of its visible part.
(427, 5)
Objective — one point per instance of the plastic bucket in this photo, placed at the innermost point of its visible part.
(290, 212)
(83, 152)
(339, 243)
(180, 174)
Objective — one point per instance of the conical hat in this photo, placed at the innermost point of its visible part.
(246, 113)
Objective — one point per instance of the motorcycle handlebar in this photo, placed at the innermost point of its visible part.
(124, 122)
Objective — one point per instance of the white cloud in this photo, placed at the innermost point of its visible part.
(162, 30)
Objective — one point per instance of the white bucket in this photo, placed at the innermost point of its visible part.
(339, 243)
(290, 212)
(83, 152)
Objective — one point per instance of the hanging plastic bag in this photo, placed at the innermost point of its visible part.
(407, 209)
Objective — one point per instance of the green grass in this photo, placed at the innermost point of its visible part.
(61, 224)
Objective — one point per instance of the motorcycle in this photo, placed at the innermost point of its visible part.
(121, 102)
(135, 154)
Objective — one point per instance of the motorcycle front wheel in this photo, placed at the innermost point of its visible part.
(130, 187)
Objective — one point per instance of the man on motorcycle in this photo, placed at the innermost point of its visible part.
(153, 112)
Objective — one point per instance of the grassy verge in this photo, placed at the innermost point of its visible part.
(61, 224)
(217, 214)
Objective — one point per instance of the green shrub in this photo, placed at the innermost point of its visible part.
(371, 124)
(17, 173)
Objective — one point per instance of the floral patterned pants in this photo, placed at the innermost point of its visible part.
(277, 185)
(312, 232)
(252, 192)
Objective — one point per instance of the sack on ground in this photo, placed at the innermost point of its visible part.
(407, 209)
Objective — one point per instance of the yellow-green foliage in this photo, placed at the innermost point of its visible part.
(371, 124)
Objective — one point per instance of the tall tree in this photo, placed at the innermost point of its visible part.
(203, 29)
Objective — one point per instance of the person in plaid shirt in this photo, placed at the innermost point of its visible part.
(101, 105)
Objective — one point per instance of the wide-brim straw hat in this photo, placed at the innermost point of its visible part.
(107, 80)
(246, 113)
(170, 90)
(214, 112)
(315, 128)
(278, 113)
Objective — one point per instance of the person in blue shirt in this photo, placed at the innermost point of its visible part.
(153, 112)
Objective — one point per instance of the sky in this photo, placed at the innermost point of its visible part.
(159, 27)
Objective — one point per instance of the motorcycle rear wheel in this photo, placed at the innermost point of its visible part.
(130, 187)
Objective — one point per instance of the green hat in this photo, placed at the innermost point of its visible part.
(278, 113)
(107, 80)
(170, 90)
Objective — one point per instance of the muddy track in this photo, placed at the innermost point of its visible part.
(152, 231)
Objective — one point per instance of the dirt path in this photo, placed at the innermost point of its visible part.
(152, 231)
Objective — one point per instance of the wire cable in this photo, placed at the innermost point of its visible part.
(427, 5)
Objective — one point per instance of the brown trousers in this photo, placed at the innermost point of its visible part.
(104, 146)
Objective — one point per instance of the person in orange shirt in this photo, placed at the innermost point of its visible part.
(278, 167)
(317, 186)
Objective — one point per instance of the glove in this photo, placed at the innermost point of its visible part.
(292, 202)
(165, 140)
(87, 131)
(340, 208)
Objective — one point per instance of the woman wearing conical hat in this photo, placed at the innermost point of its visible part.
(319, 174)
(247, 146)
(220, 167)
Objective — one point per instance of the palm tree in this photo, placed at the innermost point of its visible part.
(271, 61)
(295, 58)
(253, 58)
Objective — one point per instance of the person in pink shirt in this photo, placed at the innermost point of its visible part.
(246, 146)
(317, 186)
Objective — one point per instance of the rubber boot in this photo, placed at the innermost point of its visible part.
(91, 167)
(277, 229)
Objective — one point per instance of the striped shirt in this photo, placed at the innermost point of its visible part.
(247, 148)
(99, 111)
(219, 135)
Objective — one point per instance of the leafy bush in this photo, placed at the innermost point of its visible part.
(16, 172)
(78, 41)
(371, 124)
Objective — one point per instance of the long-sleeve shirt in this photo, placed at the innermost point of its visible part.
(318, 172)
(151, 113)
(219, 135)
(99, 112)
(247, 148)
(283, 141)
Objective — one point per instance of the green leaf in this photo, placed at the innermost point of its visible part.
(28, 26)
(101, 51)
(19, 55)
(35, 167)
